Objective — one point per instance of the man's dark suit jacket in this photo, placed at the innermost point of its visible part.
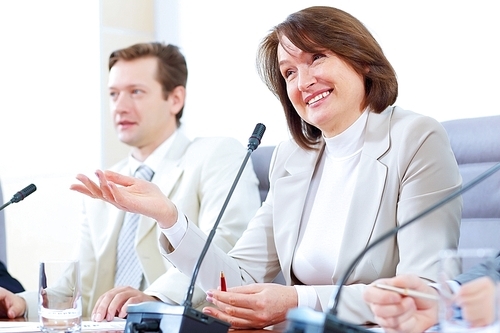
(479, 271)
(8, 282)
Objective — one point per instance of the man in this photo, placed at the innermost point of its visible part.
(395, 313)
(147, 89)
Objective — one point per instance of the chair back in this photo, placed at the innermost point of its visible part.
(261, 158)
(476, 145)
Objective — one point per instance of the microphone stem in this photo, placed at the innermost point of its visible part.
(5, 205)
(189, 295)
(472, 183)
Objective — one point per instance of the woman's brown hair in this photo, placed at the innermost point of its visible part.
(320, 28)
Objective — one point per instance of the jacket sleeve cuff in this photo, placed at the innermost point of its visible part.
(307, 297)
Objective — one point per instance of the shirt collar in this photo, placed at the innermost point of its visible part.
(153, 161)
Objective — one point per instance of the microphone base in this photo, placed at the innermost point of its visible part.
(162, 317)
(306, 320)
(334, 325)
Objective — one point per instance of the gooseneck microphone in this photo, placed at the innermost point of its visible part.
(19, 196)
(162, 317)
(254, 140)
(253, 143)
(306, 320)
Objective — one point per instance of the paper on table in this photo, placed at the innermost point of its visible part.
(31, 326)
(381, 330)
(117, 324)
(19, 326)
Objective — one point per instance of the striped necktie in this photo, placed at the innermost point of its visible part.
(128, 268)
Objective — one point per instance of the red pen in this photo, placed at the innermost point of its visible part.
(222, 281)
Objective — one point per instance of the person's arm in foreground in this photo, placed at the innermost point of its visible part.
(397, 313)
(477, 300)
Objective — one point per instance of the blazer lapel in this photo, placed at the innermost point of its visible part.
(289, 200)
(105, 243)
(106, 212)
(166, 177)
(368, 192)
(102, 211)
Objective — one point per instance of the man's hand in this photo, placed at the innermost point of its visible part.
(11, 305)
(114, 303)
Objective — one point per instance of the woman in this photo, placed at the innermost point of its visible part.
(356, 167)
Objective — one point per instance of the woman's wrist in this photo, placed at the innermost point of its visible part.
(169, 216)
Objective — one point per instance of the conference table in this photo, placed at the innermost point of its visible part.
(32, 321)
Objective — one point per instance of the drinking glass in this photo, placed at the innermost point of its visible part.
(59, 297)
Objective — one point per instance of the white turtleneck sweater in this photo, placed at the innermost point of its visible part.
(326, 209)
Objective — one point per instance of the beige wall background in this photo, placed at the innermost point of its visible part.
(64, 136)
(123, 23)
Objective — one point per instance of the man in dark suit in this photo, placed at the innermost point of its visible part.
(8, 282)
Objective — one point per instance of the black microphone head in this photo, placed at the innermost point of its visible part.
(254, 140)
(23, 193)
